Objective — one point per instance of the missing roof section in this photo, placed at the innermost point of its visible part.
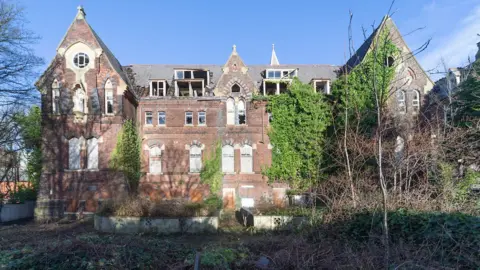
(191, 82)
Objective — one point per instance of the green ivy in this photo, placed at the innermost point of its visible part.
(126, 155)
(355, 91)
(300, 118)
(211, 173)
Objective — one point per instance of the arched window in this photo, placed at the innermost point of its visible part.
(241, 113)
(401, 106)
(235, 88)
(228, 159)
(80, 100)
(55, 97)
(246, 159)
(389, 61)
(108, 97)
(195, 158)
(92, 153)
(155, 160)
(74, 154)
(230, 111)
(416, 100)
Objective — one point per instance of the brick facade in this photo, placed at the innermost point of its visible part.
(65, 190)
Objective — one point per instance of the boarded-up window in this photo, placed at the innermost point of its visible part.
(195, 158)
(155, 161)
(246, 159)
(228, 159)
(74, 154)
(228, 198)
(92, 153)
(230, 112)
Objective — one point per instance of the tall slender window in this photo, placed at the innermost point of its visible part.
(241, 113)
(202, 118)
(188, 118)
(230, 111)
(108, 97)
(92, 153)
(55, 97)
(155, 161)
(246, 159)
(416, 101)
(74, 154)
(195, 159)
(401, 106)
(228, 159)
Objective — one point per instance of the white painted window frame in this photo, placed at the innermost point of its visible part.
(186, 116)
(147, 115)
(164, 88)
(200, 113)
(158, 118)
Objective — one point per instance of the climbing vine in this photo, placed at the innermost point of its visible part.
(126, 155)
(300, 119)
(211, 173)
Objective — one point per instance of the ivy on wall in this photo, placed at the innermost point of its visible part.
(300, 119)
(211, 173)
(126, 155)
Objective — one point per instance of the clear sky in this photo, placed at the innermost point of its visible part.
(304, 32)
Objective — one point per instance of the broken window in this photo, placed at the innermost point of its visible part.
(188, 118)
(197, 88)
(162, 118)
(202, 118)
(322, 86)
(157, 88)
(148, 118)
(235, 88)
(270, 88)
(109, 101)
(183, 89)
(416, 101)
(191, 83)
(283, 87)
(281, 73)
(241, 115)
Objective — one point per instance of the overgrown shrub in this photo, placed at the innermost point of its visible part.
(23, 194)
(141, 207)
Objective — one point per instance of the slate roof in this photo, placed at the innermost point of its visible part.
(144, 73)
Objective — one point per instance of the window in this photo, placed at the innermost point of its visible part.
(81, 60)
(162, 118)
(235, 88)
(183, 74)
(389, 61)
(55, 97)
(241, 117)
(148, 118)
(322, 86)
(74, 154)
(246, 160)
(230, 111)
(228, 159)
(79, 102)
(155, 160)
(281, 73)
(92, 153)
(108, 97)
(188, 118)
(202, 118)
(195, 158)
(270, 118)
(416, 100)
(401, 106)
(157, 89)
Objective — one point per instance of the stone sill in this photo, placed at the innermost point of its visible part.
(81, 170)
(194, 173)
(153, 174)
(247, 173)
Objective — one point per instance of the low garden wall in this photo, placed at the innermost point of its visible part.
(278, 222)
(16, 211)
(113, 224)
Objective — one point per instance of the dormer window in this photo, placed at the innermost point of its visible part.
(322, 86)
(281, 73)
(191, 83)
(81, 60)
(158, 88)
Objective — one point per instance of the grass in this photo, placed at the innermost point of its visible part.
(418, 241)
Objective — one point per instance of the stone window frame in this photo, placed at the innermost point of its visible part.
(238, 113)
(401, 101)
(85, 57)
(416, 100)
(109, 98)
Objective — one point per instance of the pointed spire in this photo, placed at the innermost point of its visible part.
(80, 13)
(234, 49)
(274, 59)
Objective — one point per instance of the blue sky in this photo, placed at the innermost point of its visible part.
(304, 32)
